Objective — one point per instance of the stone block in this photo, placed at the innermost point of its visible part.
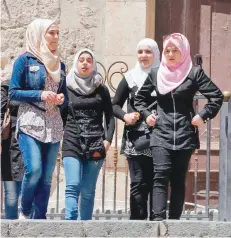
(133, 229)
(184, 228)
(4, 228)
(45, 228)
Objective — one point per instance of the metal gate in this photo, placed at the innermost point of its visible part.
(195, 207)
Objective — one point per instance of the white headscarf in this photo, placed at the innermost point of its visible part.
(83, 85)
(36, 44)
(137, 75)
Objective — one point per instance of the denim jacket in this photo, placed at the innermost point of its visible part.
(28, 80)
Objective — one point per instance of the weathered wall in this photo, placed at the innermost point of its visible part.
(167, 228)
(111, 28)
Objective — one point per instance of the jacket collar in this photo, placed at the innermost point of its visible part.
(29, 55)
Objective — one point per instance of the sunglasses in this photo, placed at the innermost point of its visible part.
(174, 36)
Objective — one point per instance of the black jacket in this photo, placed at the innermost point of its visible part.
(173, 129)
(12, 167)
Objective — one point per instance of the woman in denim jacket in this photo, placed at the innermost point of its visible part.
(38, 83)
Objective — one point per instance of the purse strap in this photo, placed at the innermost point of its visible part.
(73, 113)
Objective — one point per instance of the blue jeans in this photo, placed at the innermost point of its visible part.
(39, 161)
(12, 191)
(81, 177)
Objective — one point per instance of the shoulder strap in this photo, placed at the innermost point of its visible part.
(73, 112)
(102, 93)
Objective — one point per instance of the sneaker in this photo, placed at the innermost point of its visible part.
(23, 217)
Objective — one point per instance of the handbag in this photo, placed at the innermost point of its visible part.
(6, 123)
(143, 141)
(92, 147)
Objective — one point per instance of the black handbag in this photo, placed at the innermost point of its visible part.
(143, 141)
(92, 147)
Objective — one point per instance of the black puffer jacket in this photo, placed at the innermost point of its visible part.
(173, 129)
(12, 167)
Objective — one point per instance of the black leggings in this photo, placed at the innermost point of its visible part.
(141, 174)
(169, 166)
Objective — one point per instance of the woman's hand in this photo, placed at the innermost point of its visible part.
(107, 145)
(151, 120)
(59, 99)
(197, 121)
(131, 118)
(48, 96)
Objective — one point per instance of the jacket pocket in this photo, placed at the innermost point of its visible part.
(34, 77)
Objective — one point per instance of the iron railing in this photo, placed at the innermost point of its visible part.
(192, 209)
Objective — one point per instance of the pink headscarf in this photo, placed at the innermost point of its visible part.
(170, 77)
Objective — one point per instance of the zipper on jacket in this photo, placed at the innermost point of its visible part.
(174, 122)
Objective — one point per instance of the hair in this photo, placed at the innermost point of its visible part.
(86, 52)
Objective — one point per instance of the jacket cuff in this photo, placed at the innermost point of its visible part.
(109, 140)
(204, 115)
(145, 114)
(121, 115)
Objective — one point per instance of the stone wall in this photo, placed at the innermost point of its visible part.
(168, 228)
(111, 28)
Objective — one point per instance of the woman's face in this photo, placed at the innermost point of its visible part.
(172, 54)
(85, 64)
(145, 56)
(52, 37)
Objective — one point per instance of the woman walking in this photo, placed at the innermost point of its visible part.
(85, 143)
(175, 134)
(139, 159)
(38, 83)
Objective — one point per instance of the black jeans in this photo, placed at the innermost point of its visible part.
(141, 174)
(169, 166)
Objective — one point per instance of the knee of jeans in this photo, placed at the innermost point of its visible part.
(34, 173)
(162, 177)
(47, 180)
(72, 188)
(87, 194)
(11, 201)
(162, 171)
(137, 186)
